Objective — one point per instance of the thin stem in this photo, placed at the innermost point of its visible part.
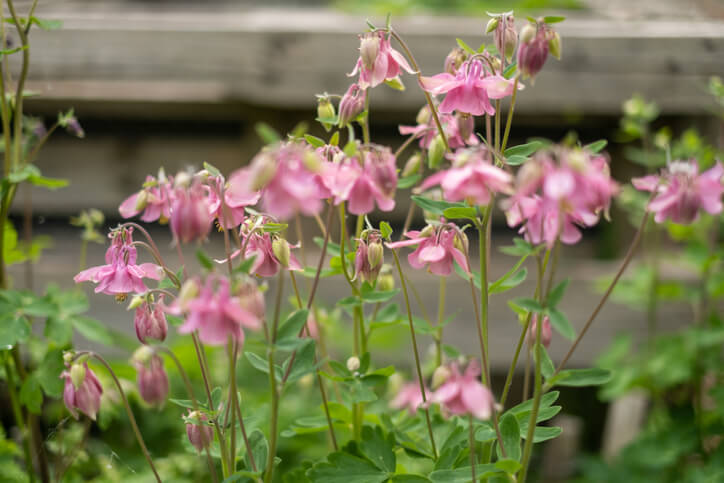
(3, 101)
(528, 448)
(440, 319)
(404, 145)
(430, 104)
(18, 115)
(31, 156)
(19, 420)
(471, 442)
(509, 121)
(273, 423)
(416, 352)
(366, 122)
(230, 404)
(131, 418)
(497, 125)
(526, 378)
(483, 239)
(626, 261)
(194, 402)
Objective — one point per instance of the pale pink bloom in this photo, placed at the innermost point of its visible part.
(533, 51)
(312, 327)
(266, 263)
(546, 333)
(369, 258)
(154, 200)
(120, 276)
(215, 313)
(378, 61)
(363, 186)
(190, 213)
(150, 323)
(469, 90)
(681, 192)
(463, 394)
(152, 381)
(289, 177)
(544, 221)
(230, 214)
(86, 396)
(200, 434)
(427, 131)
(438, 247)
(471, 178)
(352, 104)
(409, 397)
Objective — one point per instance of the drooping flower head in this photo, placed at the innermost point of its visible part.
(154, 200)
(191, 213)
(409, 397)
(261, 245)
(200, 434)
(120, 275)
(681, 192)
(211, 308)
(230, 213)
(352, 104)
(471, 178)
(463, 394)
(558, 190)
(546, 332)
(506, 38)
(378, 61)
(363, 183)
(438, 246)
(458, 129)
(151, 376)
(82, 390)
(369, 257)
(150, 322)
(536, 42)
(470, 89)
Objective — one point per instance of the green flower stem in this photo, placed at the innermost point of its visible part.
(509, 120)
(19, 420)
(497, 125)
(230, 404)
(440, 320)
(273, 430)
(366, 122)
(194, 402)
(471, 442)
(3, 102)
(18, 115)
(483, 241)
(417, 354)
(528, 448)
(131, 418)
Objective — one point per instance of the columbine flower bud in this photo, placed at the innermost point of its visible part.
(375, 254)
(325, 110)
(263, 170)
(454, 60)
(386, 281)
(533, 49)
(441, 374)
(200, 434)
(461, 241)
(136, 301)
(281, 250)
(150, 323)
(412, 166)
(506, 37)
(492, 24)
(141, 200)
(423, 115)
(436, 152)
(428, 231)
(82, 391)
(546, 333)
(351, 105)
(353, 363)
(189, 291)
(190, 217)
(152, 379)
(527, 33)
(554, 45)
(369, 49)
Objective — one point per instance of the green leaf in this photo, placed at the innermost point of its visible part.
(560, 322)
(435, 207)
(345, 468)
(385, 230)
(267, 133)
(13, 330)
(465, 46)
(47, 24)
(554, 298)
(510, 433)
(14, 50)
(314, 141)
(288, 334)
(379, 295)
(544, 433)
(409, 478)
(49, 183)
(581, 377)
(545, 401)
(516, 160)
(547, 367)
(509, 465)
(467, 212)
(244, 266)
(48, 373)
(523, 149)
(529, 304)
(257, 362)
(462, 474)
(350, 149)
(204, 260)
(520, 248)
(303, 362)
(259, 449)
(508, 281)
(395, 83)
(377, 449)
(94, 330)
(553, 19)
(408, 181)
(510, 70)
(596, 146)
(31, 396)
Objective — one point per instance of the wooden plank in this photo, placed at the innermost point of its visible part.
(281, 58)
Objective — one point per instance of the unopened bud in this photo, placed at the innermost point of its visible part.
(369, 49)
(506, 37)
(375, 254)
(386, 282)
(282, 251)
(263, 169)
(554, 45)
(141, 200)
(351, 105)
(312, 161)
(353, 363)
(325, 110)
(96, 216)
(436, 152)
(492, 24)
(142, 355)
(423, 115)
(136, 302)
(189, 291)
(428, 231)
(68, 357)
(441, 374)
(461, 242)
(527, 33)
(454, 60)
(77, 375)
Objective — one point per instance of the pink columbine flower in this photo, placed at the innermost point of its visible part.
(82, 391)
(463, 394)
(260, 245)
(230, 213)
(150, 322)
(378, 61)
(214, 312)
(152, 379)
(469, 90)
(352, 104)
(546, 333)
(199, 433)
(369, 257)
(364, 185)
(426, 129)
(438, 247)
(681, 192)
(409, 397)
(154, 200)
(120, 276)
(535, 45)
(190, 212)
(471, 178)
